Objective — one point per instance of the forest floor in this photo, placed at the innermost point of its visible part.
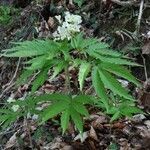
(124, 26)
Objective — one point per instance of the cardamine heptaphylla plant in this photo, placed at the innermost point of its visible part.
(93, 59)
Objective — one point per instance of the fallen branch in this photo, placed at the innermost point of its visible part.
(139, 17)
(125, 3)
(129, 3)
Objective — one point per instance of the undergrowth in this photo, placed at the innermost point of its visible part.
(93, 59)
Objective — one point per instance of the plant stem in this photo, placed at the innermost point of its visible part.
(67, 82)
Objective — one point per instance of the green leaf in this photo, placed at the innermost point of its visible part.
(115, 116)
(5, 111)
(80, 108)
(76, 41)
(40, 79)
(54, 110)
(111, 83)
(99, 87)
(119, 61)
(76, 62)
(120, 71)
(65, 117)
(4, 118)
(79, 2)
(103, 49)
(84, 99)
(24, 76)
(58, 68)
(52, 97)
(77, 120)
(88, 43)
(36, 63)
(129, 110)
(31, 48)
(83, 72)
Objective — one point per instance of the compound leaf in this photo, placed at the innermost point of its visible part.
(111, 83)
(80, 108)
(99, 87)
(54, 110)
(120, 71)
(83, 72)
(65, 116)
(77, 119)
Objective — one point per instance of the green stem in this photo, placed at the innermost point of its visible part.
(67, 82)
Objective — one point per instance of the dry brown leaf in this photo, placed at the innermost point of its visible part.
(82, 137)
(146, 48)
(12, 141)
(93, 134)
(51, 22)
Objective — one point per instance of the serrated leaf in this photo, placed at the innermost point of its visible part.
(65, 48)
(111, 83)
(99, 87)
(83, 72)
(5, 111)
(36, 63)
(120, 71)
(98, 46)
(113, 60)
(58, 68)
(76, 41)
(102, 49)
(76, 62)
(115, 116)
(65, 117)
(24, 76)
(84, 99)
(4, 118)
(129, 110)
(88, 43)
(31, 48)
(40, 79)
(77, 120)
(52, 97)
(80, 108)
(54, 110)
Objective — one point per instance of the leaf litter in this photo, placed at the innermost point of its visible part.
(99, 133)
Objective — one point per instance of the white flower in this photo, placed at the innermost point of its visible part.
(74, 19)
(15, 107)
(69, 27)
(10, 100)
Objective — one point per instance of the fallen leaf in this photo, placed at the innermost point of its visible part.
(93, 134)
(82, 137)
(12, 141)
(146, 48)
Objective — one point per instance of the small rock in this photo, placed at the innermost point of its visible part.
(147, 123)
(138, 118)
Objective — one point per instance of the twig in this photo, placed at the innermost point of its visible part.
(139, 17)
(11, 84)
(15, 74)
(5, 90)
(129, 3)
(124, 3)
(145, 69)
(67, 82)
(28, 132)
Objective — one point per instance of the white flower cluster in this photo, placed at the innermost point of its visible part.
(69, 27)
